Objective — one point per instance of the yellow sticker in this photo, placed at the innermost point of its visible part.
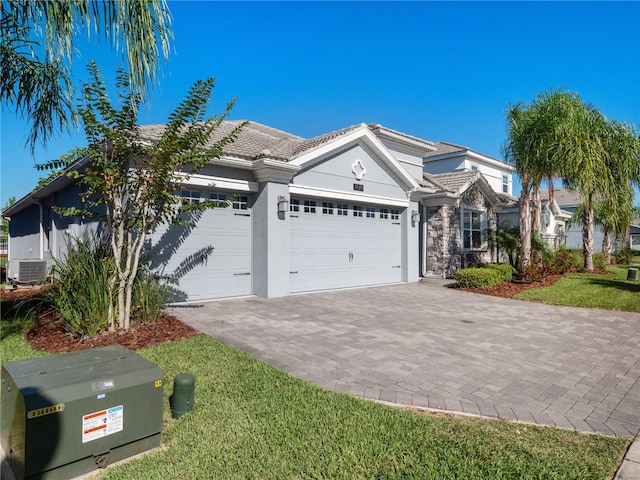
(45, 411)
(158, 383)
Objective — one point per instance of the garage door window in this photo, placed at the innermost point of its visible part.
(343, 209)
(241, 203)
(384, 213)
(309, 206)
(357, 211)
(294, 206)
(190, 196)
(220, 197)
(395, 214)
(370, 212)
(327, 208)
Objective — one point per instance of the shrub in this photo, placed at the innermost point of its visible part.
(599, 260)
(148, 297)
(505, 269)
(625, 256)
(564, 260)
(478, 277)
(80, 293)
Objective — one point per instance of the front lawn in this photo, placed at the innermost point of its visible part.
(612, 292)
(254, 421)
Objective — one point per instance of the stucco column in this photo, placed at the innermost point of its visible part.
(270, 230)
(410, 246)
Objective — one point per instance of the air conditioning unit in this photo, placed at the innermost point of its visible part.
(27, 271)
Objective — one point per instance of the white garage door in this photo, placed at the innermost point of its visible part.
(337, 245)
(214, 256)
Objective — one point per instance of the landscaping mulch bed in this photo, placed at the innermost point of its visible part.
(511, 289)
(47, 334)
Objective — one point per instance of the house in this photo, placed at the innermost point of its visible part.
(354, 207)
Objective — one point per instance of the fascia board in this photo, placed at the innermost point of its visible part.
(411, 145)
(440, 198)
(218, 182)
(234, 162)
(490, 160)
(362, 133)
(55, 185)
(316, 192)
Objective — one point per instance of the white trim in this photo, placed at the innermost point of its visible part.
(219, 183)
(317, 192)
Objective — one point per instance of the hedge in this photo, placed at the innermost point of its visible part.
(487, 276)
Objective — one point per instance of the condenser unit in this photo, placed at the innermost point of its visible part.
(27, 271)
(66, 415)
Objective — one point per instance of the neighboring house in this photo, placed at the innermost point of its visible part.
(634, 237)
(450, 158)
(346, 209)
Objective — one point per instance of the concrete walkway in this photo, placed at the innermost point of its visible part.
(428, 345)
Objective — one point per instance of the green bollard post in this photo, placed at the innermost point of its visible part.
(182, 399)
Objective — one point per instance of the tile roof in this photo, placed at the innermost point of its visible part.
(376, 126)
(321, 139)
(253, 140)
(564, 197)
(452, 182)
(443, 148)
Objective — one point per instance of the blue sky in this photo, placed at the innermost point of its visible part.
(437, 70)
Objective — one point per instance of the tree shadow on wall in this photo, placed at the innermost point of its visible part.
(158, 254)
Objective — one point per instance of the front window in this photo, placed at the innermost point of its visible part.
(471, 230)
(505, 184)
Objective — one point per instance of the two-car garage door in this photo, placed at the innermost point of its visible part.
(337, 245)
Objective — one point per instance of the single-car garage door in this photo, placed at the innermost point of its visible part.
(212, 259)
(337, 245)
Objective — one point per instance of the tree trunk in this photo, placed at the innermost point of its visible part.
(607, 247)
(524, 219)
(587, 236)
(537, 209)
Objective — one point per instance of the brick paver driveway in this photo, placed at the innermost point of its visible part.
(428, 345)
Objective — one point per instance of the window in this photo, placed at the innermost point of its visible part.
(395, 214)
(309, 206)
(294, 205)
(220, 197)
(371, 212)
(240, 203)
(505, 184)
(471, 230)
(474, 168)
(190, 196)
(327, 208)
(357, 211)
(384, 213)
(343, 209)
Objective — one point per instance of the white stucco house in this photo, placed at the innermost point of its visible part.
(364, 205)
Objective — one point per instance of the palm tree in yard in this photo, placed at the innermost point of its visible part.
(37, 41)
(601, 164)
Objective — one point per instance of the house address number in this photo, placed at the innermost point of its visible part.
(358, 187)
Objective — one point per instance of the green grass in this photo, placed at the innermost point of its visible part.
(252, 421)
(612, 292)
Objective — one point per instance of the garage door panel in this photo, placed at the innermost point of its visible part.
(212, 258)
(331, 251)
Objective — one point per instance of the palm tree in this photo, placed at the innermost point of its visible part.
(517, 149)
(36, 51)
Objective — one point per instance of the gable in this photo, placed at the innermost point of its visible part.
(353, 169)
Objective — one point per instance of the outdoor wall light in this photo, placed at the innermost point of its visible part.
(283, 204)
(415, 217)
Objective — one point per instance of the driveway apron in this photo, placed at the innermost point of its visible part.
(428, 345)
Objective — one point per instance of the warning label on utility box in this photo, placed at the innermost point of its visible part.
(100, 424)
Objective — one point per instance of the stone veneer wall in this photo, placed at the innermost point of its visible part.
(444, 243)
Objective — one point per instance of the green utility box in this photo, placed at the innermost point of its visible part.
(66, 415)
